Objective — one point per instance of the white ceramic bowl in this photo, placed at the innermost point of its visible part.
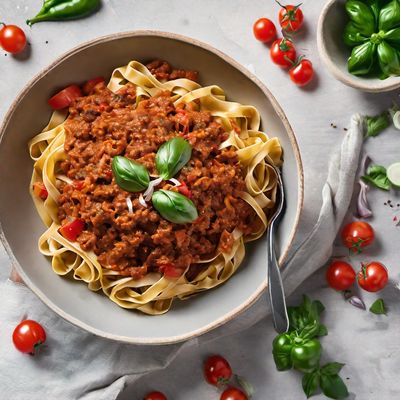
(335, 53)
(21, 226)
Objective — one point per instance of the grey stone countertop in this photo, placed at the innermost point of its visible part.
(366, 343)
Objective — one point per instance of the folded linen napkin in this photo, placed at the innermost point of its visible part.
(79, 365)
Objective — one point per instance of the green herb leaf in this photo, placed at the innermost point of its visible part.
(378, 307)
(310, 383)
(389, 16)
(333, 387)
(172, 156)
(393, 37)
(388, 58)
(361, 59)
(174, 207)
(361, 16)
(352, 36)
(130, 175)
(322, 330)
(376, 175)
(375, 125)
(332, 368)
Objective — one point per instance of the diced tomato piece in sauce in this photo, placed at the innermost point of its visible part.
(89, 85)
(65, 97)
(40, 190)
(183, 189)
(78, 185)
(71, 230)
(170, 271)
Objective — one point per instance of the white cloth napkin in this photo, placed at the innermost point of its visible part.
(78, 365)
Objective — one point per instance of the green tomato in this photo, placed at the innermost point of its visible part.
(306, 355)
(361, 60)
(361, 16)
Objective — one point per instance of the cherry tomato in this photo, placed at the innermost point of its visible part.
(233, 394)
(155, 396)
(302, 72)
(28, 336)
(291, 18)
(283, 53)
(373, 276)
(65, 97)
(264, 30)
(217, 370)
(340, 275)
(12, 39)
(357, 234)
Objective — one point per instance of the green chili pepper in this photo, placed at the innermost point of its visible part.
(172, 156)
(352, 37)
(130, 175)
(389, 16)
(361, 60)
(174, 207)
(361, 16)
(291, 350)
(54, 10)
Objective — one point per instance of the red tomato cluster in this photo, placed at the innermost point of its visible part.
(372, 277)
(283, 51)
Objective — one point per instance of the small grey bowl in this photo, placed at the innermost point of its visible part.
(335, 53)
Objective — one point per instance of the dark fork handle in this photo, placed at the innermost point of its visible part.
(275, 286)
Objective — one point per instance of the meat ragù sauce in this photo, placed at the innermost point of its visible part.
(102, 125)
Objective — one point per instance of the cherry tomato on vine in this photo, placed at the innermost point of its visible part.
(155, 396)
(340, 275)
(283, 53)
(357, 234)
(373, 276)
(290, 18)
(217, 370)
(264, 30)
(233, 394)
(302, 72)
(12, 38)
(28, 336)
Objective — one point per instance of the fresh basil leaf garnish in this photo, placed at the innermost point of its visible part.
(174, 207)
(378, 307)
(172, 156)
(130, 175)
(376, 175)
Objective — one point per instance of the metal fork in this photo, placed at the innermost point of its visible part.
(275, 286)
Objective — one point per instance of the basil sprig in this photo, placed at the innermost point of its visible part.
(130, 175)
(377, 176)
(374, 36)
(172, 156)
(174, 207)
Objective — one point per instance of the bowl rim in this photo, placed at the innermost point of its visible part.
(372, 86)
(257, 293)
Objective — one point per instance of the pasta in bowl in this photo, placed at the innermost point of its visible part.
(151, 185)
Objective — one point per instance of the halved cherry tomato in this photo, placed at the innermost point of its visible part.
(357, 234)
(340, 275)
(155, 396)
(12, 39)
(40, 190)
(217, 370)
(373, 276)
(183, 189)
(264, 30)
(283, 53)
(71, 230)
(89, 85)
(28, 336)
(302, 72)
(290, 17)
(233, 393)
(65, 97)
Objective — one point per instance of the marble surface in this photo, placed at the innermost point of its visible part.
(368, 344)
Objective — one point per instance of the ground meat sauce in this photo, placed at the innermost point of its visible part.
(102, 125)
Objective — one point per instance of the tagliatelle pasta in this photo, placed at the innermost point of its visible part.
(153, 293)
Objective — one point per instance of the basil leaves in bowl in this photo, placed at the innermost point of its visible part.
(357, 40)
